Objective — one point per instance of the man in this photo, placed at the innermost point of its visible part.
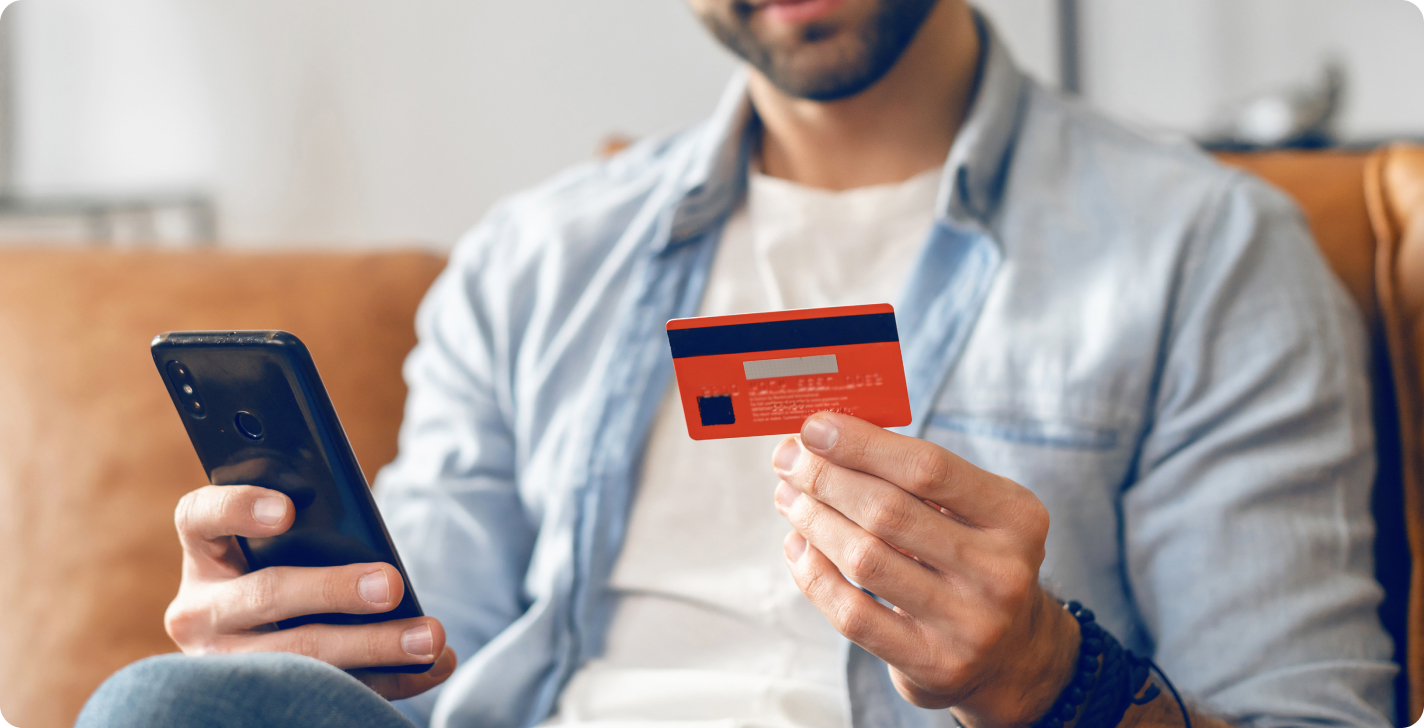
(1100, 332)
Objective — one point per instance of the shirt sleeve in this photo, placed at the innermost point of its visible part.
(450, 498)
(1248, 531)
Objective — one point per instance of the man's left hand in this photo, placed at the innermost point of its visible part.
(954, 548)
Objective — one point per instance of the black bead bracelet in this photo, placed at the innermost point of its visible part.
(1085, 676)
(1106, 680)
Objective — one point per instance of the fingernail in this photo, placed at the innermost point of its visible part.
(375, 587)
(270, 510)
(418, 641)
(820, 434)
(786, 455)
(785, 495)
(795, 546)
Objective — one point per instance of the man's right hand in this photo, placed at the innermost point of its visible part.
(221, 607)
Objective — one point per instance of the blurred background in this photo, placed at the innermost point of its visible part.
(353, 123)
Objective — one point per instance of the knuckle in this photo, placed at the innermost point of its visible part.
(865, 560)
(259, 593)
(1024, 510)
(1014, 586)
(183, 623)
(305, 641)
(817, 587)
(887, 516)
(1036, 519)
(806, 516)
(185, 515)
(1029, 522)
(228, 498)
(989, 632)
(928, 468)
(857, 445)
(817, 476)
(852, 622)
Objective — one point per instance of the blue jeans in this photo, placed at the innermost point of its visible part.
(265, 690)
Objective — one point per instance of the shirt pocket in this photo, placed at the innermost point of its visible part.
(1054, 433)
(1076, 465)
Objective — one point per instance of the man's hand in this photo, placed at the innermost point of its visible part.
(955, 549)
(221, 608)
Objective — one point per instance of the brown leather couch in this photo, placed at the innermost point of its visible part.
(93, 457)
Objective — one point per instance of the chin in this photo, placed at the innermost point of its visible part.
(826, 73)
(832, 58)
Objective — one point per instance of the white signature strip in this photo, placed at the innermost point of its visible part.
(796, 366)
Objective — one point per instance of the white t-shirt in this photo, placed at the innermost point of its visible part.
(710, 629)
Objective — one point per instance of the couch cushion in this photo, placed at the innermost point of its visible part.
(93, 456)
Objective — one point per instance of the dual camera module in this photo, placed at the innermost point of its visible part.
(247, 424)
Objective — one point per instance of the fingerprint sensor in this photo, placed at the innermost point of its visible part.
(248, 424)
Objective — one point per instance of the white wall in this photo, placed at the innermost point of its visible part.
(365, 121)
(1172, 64)
(1030, 29)
(346, 120)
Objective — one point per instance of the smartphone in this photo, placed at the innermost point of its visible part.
(257, 414)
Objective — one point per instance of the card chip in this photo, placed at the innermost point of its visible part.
(716, 410)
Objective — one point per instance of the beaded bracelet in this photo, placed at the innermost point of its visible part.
(1085, 677)
(1103, 663)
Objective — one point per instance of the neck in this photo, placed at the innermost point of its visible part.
(902, 125)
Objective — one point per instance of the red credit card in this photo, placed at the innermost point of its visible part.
(764, 373)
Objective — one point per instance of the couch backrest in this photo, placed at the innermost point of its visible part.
(93, 456)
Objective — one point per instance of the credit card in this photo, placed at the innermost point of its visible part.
(764, 373)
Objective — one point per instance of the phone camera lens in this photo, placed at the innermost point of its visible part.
(182, 381)
(248, 425)
(177, 372)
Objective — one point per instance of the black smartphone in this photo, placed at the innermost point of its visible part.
(257, 414)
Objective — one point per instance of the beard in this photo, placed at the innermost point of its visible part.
(826, 62)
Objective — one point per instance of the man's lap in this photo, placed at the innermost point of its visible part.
(236, 691)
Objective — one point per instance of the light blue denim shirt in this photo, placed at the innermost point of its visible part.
(1146, 340)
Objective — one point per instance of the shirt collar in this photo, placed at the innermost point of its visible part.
(716, 177)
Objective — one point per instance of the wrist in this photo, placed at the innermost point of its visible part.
(1164, 710)
(1034, 672)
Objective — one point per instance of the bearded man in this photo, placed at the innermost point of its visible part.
(1134, 384)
